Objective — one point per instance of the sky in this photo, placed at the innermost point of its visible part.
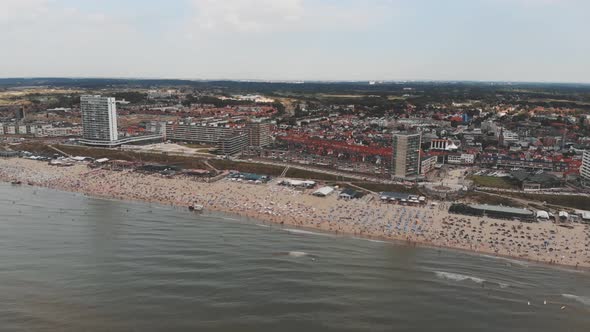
(482, 40)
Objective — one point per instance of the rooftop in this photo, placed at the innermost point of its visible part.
(503, 209)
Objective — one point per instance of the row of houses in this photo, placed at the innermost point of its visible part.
(39, 130)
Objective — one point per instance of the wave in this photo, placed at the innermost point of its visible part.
(508, 260)
(297, 253)
(261, 225)
(232, 219)
(585, 300)
(300, 231)
(457, 277)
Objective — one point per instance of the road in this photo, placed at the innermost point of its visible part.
(319, 170)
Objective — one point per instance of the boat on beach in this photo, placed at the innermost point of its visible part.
(16, 182)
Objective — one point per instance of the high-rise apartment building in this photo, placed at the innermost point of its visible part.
(258, 133)
(585, 169)
(21, 114)
(99, 118)
(231, 141)
(406, 155)
(196, 133)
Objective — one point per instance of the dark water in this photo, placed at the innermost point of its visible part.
(73, 263)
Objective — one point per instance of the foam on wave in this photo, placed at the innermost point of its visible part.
(300, 231)
(457, 277)
(585, 300)
(298, 253)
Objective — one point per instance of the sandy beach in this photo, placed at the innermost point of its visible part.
(428, 225)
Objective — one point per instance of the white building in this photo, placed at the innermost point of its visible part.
(461, 159)
(156, 94)
(442, 145)
(427, 164)
(507, 137)
(61, 131)
(99, 118)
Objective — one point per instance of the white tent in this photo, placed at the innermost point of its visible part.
(79, 158)
(584, 214)
(542, 215)
(295, 183)
(300, 183)
(324, 191)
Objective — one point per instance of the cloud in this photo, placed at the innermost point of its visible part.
(49, 38)
(246, 15)
(14, 10)
(255, 16)
(535, 2)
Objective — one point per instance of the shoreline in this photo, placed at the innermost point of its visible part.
(320, 232)
(285, 207)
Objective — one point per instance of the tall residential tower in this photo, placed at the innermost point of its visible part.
(406, 155)
(99, 118)
(258, 133)
(585, 169)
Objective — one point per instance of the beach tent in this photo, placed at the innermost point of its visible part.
(542, 215)
(309, 183)
(563, 215)
(323, 192)
(295, 183)
(300, 183)
(81, 158)
(584, 214)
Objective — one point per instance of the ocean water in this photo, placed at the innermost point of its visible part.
(74, 263)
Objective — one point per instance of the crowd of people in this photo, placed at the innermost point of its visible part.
(426, 224)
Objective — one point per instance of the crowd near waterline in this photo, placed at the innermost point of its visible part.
(424, 225)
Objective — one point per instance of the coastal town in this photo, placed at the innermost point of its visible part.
(490, 172)
(295, 165)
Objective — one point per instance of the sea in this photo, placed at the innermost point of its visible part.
(69, 262)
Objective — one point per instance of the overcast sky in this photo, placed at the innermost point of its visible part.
(505, 40)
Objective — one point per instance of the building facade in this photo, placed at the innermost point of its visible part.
(60, 132)
(197, 133)
(461, 159)
(442, 145)
(230, 141)
(585, 169)
(99, 118)
(234, 144)
(427, 164)
(258, 134)
(406, 155)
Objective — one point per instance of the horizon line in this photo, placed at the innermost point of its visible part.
(299, 81)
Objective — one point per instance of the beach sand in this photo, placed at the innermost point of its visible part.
(432, 225)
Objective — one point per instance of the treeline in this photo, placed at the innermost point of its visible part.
(417, 93)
